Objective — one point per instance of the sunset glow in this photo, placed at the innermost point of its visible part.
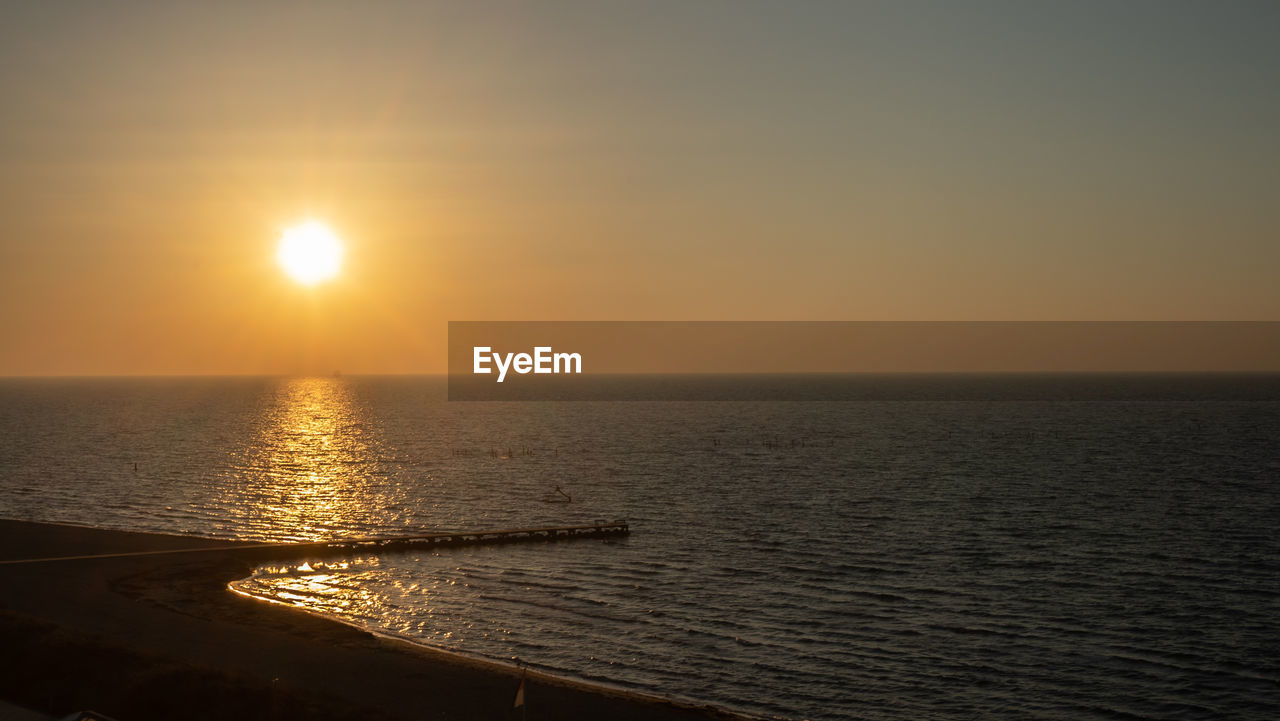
(931, 350)
(310, 253)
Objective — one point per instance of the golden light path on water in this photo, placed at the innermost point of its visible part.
(316, 468)
(312, 470)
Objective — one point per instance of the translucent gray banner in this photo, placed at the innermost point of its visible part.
(709, 360)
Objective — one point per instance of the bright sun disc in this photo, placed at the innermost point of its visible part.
(310, 253)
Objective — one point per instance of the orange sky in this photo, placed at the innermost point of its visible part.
(732, 161)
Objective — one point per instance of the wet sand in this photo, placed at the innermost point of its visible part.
(160, 637)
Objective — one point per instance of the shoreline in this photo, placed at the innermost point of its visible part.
(511, 668)
(125, 616)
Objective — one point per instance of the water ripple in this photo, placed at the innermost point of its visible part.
(907, 560)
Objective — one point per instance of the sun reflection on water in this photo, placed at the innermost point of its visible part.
(314, 469)
(339, 589)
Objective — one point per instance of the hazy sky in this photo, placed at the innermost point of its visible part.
(620, 161)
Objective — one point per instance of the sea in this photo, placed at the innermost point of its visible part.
(1078, 548)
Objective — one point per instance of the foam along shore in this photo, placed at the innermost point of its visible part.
(149, 636)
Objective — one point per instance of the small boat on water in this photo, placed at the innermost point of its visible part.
(557, 496)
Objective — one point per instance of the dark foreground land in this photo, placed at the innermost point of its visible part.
(161, 637)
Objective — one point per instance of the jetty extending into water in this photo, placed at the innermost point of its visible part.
(599, 529)
(372, 545)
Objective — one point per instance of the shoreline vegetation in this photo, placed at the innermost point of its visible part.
(161, 636)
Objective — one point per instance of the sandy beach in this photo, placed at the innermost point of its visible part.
(160, 637)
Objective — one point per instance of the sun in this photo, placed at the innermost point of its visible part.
(310, 253)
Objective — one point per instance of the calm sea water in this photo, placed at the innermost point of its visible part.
(875, 560)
